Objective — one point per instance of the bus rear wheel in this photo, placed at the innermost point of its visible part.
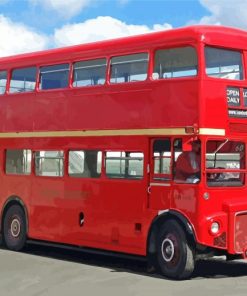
(175, 256)
(14, 228)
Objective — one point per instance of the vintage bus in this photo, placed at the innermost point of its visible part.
(97, 146)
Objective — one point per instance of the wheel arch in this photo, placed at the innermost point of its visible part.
(160, 219)
(13, 200)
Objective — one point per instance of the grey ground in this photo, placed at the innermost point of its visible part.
(43, 270)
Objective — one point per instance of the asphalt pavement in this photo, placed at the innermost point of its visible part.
(43, 270)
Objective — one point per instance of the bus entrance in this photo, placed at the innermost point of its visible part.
(160, 173)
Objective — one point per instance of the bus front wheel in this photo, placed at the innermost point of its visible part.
(175, 256)
(14, 228)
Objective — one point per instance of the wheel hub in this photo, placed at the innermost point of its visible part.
(167, 250)
(15, 227)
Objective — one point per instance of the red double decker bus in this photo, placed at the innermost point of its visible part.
(135, 145)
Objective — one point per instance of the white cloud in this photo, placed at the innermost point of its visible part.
(100, 28)
(225, 12)
(65, 8)
(17, 38)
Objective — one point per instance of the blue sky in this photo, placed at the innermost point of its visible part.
(30, 25)
(148, 12)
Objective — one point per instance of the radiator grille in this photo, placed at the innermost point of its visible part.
(241, 232)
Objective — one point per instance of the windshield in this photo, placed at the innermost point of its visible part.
(225, 162)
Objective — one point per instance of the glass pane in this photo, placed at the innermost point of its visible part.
(88, 73)
(162, 159)
(52, 77)
(49, 163)
(85, 164)
(187, 168)
(227, 156)
(18, 162)
(76, 163)
(23, 80)
(3, 81)
(129, 68)
(175, 62)
(222, 63)
(135, 165)
(125, 165)
(115, 164)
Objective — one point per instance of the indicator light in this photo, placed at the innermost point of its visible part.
(215, 227)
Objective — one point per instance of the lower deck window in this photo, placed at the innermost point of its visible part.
(18, 161)
(49, 163)
(124, 165)
(85, 163)
(162, 159)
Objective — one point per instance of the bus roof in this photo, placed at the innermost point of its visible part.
(215, 35)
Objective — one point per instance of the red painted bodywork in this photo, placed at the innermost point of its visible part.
(112, 207)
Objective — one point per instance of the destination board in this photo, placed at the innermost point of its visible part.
(233, 96)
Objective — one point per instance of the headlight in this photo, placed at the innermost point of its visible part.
(215, 227)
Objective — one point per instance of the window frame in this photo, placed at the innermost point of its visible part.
(83, 150)
(161, 177)
(17, 174)
(64, 158)
(109, 66)
(9, 78)
(241, 51)
(175, 46)
(130, 178)
(38, 83)
(7, 81)
(240, 171)
(72, 76)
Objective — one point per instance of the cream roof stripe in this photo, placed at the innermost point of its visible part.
(119, 132)
(212, 132)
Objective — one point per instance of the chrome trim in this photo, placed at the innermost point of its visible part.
(160, 212)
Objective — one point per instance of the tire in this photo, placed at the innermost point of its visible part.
(14, 228)
(174, 255)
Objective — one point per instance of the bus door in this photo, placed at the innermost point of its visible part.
(160, 174)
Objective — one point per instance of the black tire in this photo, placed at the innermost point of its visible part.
(14, 228)
(174, 254)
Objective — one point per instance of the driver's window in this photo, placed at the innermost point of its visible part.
(187, 164)
(224, 160)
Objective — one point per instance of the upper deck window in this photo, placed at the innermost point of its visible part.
(88, 73)
(23, 80)
(52, 77)
(3, 81)
(175, 62)
(129, 68)
(223, 63)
